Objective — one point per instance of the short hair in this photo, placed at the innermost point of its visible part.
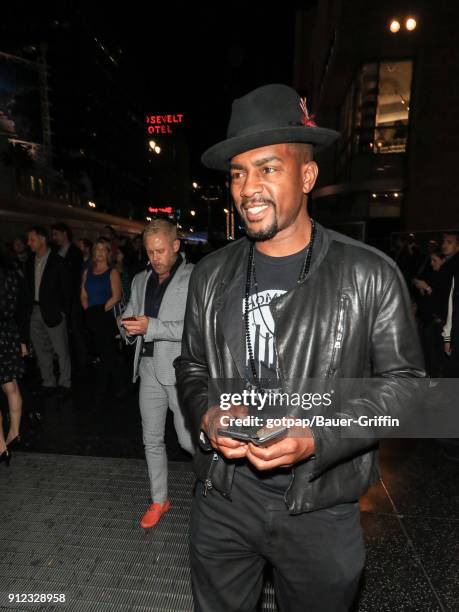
(438, 253)
(161, 226)
(112, 230)
(454, 233)
(63, 227)
(87, 243)
(40, 231)
(303, 151)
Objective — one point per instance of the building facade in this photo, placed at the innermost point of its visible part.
(391, 87)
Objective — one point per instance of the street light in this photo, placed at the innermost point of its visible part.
(410, 24)
(195, 185)
(394, 26)
(152, 145)
(91, 204)
(157, 150)
(192, 213)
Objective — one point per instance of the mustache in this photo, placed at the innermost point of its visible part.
(255, 201)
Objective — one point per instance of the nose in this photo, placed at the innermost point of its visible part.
(251, 186)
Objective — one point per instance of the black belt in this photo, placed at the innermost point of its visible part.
(147, 349)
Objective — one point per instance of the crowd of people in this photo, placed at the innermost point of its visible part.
(431, 275)
(59, 300)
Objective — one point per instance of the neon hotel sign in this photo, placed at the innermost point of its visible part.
(164, 124)
(168, 210)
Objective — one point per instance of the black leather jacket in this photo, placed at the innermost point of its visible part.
(350, 318)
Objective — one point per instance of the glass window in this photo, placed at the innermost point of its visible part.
(375, 111)
(394, 92)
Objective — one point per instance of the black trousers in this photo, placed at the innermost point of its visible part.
(102, 326)
(316, 558)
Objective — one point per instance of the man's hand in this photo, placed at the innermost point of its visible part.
(24, 350)
(447, 348)
(422, 286)
(295, 447)
(137, 327)
(211, 423)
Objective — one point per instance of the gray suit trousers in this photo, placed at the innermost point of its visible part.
(155, 398)
(47, 341)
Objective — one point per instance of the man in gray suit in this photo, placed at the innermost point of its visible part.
(153, 320)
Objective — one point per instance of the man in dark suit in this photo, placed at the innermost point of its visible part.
(73, 257)
(49, 290)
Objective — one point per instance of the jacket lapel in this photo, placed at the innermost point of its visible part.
(175, 281)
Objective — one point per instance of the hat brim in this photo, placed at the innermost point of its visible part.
(219, 155)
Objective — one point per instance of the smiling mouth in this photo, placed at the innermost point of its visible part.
(254, 213)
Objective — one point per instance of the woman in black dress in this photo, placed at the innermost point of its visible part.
(13, 347)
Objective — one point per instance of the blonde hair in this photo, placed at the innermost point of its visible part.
(161, 226)
(104, 243)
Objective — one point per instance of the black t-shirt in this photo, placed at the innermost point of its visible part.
(274, 277)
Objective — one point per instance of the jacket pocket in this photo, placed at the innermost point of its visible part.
(338, 340)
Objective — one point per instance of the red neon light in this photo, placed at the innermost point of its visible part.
(164, 119)
(166, 210)
(164, 124)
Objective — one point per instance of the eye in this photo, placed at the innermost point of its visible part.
(235, 175)
(269, 170)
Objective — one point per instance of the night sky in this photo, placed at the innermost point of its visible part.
(111, 66)
(196, 59)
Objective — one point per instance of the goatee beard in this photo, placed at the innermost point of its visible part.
(264, 234)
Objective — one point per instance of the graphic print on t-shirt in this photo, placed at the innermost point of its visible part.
(262, 328)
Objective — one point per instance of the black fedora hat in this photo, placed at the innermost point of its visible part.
(272, 114)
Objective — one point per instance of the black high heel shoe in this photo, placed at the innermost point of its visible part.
(14, 444)
(6, 457)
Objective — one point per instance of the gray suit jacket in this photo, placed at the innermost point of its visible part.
(166, 331)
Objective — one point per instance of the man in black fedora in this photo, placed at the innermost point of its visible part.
(290, 302)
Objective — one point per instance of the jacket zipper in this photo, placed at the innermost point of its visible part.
(208, 481)
(339, 336)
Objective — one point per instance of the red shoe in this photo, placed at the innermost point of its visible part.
(154, 513)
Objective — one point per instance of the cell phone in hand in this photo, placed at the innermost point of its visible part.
(250, 434)
(270, 437)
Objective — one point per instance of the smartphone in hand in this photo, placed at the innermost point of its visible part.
(248, 434)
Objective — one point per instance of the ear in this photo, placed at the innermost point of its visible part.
(176, 246)
(310, 171)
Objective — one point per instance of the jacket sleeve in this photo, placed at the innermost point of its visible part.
(164, 330)
(191, 368)
(397, 365)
